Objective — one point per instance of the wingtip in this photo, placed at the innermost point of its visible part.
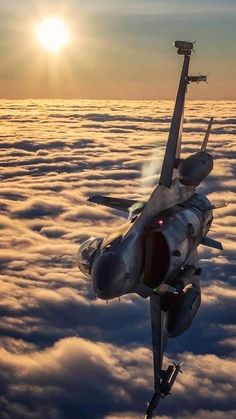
(95, 199)
(90, 198)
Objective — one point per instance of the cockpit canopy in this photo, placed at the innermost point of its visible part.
(87, 253)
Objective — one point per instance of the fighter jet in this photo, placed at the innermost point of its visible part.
(154, 254)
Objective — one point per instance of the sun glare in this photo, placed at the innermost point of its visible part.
(52, 33)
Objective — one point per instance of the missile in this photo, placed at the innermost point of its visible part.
(169, 378)
(184, 45)
(184, 51)
(165, 383)
(197, 79)
(177, 370)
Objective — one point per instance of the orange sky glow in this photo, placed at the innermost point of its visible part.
(120, 51)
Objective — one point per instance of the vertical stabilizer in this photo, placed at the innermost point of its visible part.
(207, 135)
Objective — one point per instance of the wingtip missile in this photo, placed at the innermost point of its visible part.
(197, 79)
(168, 379)
(176, 371)
(184, 47)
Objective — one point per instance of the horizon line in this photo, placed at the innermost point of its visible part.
(119, 99)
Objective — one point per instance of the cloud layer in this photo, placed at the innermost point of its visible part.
(64, 354)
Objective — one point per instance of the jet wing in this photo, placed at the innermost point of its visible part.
(172, 153)
(129, 206)
(159, 342)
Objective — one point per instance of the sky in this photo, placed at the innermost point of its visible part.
(63, 353)
(117, 50)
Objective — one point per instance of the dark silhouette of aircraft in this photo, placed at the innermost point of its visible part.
(154, 254)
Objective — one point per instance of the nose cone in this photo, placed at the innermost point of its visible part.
(108, 276)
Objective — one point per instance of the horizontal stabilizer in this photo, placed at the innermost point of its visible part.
(218, 204)
(212, 243)
(129, 206)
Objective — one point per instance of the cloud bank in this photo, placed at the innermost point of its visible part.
(64, 354)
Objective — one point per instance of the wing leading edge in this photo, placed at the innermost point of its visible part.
(159, 341)
(129, 206)
(175, 135)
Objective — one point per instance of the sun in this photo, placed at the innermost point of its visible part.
(52, 33)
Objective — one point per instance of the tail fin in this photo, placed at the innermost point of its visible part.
(207, 135)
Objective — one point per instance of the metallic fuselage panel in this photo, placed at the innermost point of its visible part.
(183, 227)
